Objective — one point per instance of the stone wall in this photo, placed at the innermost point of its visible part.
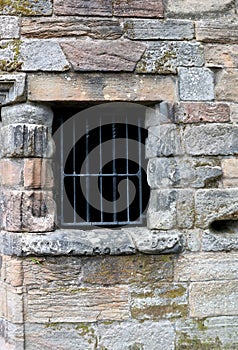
(173, 284)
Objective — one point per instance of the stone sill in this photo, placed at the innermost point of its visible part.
(91, 243)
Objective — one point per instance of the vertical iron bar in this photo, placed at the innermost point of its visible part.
(114, 181)
(140, 172)
(101, 194)
(87, 173)
(62, 168)
(127, 172)
(74, 172)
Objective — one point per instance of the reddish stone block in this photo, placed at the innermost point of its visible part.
(202, 112)
(11, 172)
(83, 7)
(38, 173)
(138, 8)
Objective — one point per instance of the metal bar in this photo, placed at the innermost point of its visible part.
(127, 171)
(114, 183)
(74, 172)
(87, 171)
(139, 171)
(98, 223)
(101, 176)
(62, 169)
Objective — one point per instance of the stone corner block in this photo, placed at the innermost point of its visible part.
(12, 88)
(196, 84)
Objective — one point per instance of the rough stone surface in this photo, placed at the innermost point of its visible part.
(211, 139)
(230, 167)
(166, 56)
(9, 27)
(11, 172)
(102, 55)
(206, 267)
(12, 335)
(196, 84)
(226, 85)
(26, 7)
(225, 240)
(34, 58)
(168, 208)
(27, 113)
(54, 27)
(213, 298)
(180, 172)
(161, 113)
(217, 31)
(198, 9)
(83, 7)
(164, 140)
(218, 55)
(15, 91)
(215, 204)
(138, 8)
(100, 87)
(143, 29)
(199, 112)
(38, 173)
(134, 335)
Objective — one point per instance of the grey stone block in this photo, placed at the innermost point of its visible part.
(27, 7)
(164, 140)
(165, 57)
(161, 113)
(219, 242)
(196, 84)
(9, 27)
(14, 90)
(153, 29)
(211, 139)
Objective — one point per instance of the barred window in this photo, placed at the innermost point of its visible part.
(101, 166)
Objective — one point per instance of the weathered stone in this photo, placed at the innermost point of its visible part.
(211, 139)
(192, 240)
(198, 9)
(158, 301)
(206, 267)
(137, 335)
(185, 172)
(101, 87)
(138, 8)
(170, 208)
(143, 29)
(11, 306)
(199, 112)
(221, 55)
(230, 183)
(213, 298)
(54, 27)
(135, 269)
(26, 7)
(230, 167)
(80, 304)
(157, 242)
(225, 239)
(38, 173)
(161, 113)
(196, 84)
(83, 7)
(12, 272)
(165, 57)
(25, 140)
(215, 333)
(27, 113)
(9, 27)
(28, 211)
(33, 56)
(11, 172)
(12, 335)
(234, 112)
(216, 204)
(12, 88)
(10, 61)
(217, 31)
(226, 85)
(164, 140)
(103, 55)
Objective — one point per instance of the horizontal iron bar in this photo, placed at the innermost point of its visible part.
(102, 175)
(85, 223)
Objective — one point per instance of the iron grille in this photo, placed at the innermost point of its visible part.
(101, 158)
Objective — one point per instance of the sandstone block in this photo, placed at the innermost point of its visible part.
(137, 335)
(215, 204)
(160, 113)
(226, 85)
(101, 87)
(223, 239)
(206, 267)
(83, 7)
(11, 335)
(196, 84)
(230, 183)
(177, 172)
(234, 112)
(38, 173)
(145, 29)
(213, 298)
(28, 211)
(46, 28)
(102, 55)
(9, 27)
(27, 113)
(25, 140)
(217, 31)
(220, 55)
(198, 9)
(26, 7)
(11, 172)
(138, 8)
(211, 139)
(11, 306)
(166, 56)
(198, 112)
(164, 140)
(12, 272)
(230, 167)
(170, 208)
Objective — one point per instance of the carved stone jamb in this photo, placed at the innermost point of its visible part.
(12, 88)
(27, 179)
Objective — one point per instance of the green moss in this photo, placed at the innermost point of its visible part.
(54, 326)
(200, 325)
(155, 312)
(85, 329)
(14, 64)
(174, 293)
(36, 261)
(136, 346)
(17, 7)
(186, 342)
